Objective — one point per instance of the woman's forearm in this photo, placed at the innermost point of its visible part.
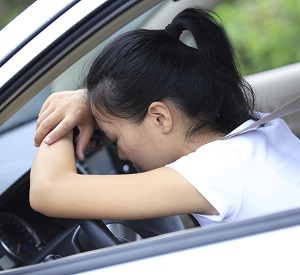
(52, 167)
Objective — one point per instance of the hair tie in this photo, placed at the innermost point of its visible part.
(172, 31)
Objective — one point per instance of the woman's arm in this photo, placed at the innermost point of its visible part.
(57, 190)
(53, 164)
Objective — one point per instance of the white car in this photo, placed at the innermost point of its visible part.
(45, 50)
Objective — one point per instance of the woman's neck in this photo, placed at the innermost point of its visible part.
(199, 139)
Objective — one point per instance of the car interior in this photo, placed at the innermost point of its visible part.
(28, 237)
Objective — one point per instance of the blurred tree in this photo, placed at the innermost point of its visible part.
(265, 33)
(9, 9)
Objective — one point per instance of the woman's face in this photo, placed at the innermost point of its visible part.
(141, 144)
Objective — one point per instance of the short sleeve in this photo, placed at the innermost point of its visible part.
(215, 171)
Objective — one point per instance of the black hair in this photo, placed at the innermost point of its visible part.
(143, 66)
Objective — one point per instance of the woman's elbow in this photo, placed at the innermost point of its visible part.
(36, 199)
(39, 196)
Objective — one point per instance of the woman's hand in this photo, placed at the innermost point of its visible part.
(62, 112)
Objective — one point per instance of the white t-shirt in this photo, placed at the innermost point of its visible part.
(252, 174)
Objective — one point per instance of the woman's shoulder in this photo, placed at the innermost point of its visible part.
(256, 144)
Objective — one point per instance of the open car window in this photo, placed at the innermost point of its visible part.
(17, 153)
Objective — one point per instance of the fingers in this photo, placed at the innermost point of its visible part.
(43, 127)
(54, 121)
(48, 107)
(46, 121)
(45, 106)
(49, 133)
(52, 128)
(60, 113)
(85, 134)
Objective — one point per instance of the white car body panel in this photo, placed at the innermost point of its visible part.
(40, 13)
(258, 254)
(45, 38)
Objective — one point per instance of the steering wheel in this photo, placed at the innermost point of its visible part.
(98, 233)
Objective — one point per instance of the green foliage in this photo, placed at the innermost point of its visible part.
(265, 33)
(9, 9)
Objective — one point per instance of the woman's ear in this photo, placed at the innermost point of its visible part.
(161, 115)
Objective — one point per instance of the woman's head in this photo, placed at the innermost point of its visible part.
(145, 66)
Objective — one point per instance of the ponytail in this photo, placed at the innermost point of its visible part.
(143, 66)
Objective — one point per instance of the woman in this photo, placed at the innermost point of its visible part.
(168, 107)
